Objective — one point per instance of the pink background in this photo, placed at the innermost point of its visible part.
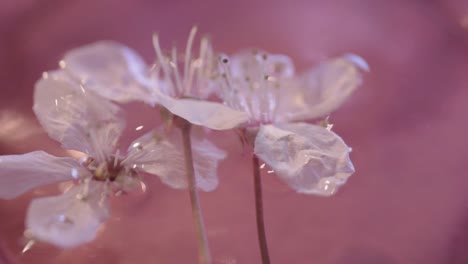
(407, 201)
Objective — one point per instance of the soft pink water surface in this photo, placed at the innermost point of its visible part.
(408, 200)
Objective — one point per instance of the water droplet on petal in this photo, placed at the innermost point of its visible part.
(28, 246)
(75, 174)
(143, 186)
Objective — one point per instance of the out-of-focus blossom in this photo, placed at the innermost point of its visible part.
(179, 82)
(84, 121)
(309, 158)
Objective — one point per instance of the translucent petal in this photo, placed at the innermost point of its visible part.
(257, 63)
(21, 173)
(70, 219)
(162, 155)
(154, 154)
(206, 157)
(76, 117)
(251, 82)
(309, 158)
(204, 113)
(110, 69)
(321, 90)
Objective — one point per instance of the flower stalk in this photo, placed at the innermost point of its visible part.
(204, 254)
(259, 211)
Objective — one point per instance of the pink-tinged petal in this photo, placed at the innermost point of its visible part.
(110, 69)
(162, 155)
(309, 158)
(321, 90)
(204, 113)
(76, 117)
(70, 219)
(21, 173)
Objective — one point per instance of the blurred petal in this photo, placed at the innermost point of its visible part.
(110, 69)
(206, 157)
(204, 113)
(162, 155)
(256, 64)
(310, 158)
(76, 117)
(321, 90)
(21, 173)
(70, 219)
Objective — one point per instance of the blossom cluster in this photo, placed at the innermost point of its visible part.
(254, 92)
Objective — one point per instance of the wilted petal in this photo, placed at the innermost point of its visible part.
(21, 173)
(109, 69)
(76, 117)
(310, 158)
(162, 155)
(70, 219)
(204, 113)
(321, 90)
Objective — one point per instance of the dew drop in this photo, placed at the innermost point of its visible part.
(74, 173)
(28, 246)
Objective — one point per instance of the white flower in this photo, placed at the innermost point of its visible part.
(309, 158)
(83, 121)
(180, 82)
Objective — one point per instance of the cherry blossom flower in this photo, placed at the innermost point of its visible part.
(309, 158)
(179, 82)
(86, 122)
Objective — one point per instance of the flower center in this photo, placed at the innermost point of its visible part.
(108, 170)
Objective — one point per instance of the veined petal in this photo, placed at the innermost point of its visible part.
(70, 219)
(204, 113)
(162, 155)
(76, 117)
(321, 90)
(21, 173)
(110, 69)
(154, 154)
(309, 158)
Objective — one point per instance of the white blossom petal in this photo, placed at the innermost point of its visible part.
(321, 90)
(256, 64)
(70, 219)
(110, 69)
(154, 154)
(309, 158)
(204, 113)
(76, 117)
(162, 155)
(21, 173)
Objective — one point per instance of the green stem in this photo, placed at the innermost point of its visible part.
(259, 211)
(204, 255)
